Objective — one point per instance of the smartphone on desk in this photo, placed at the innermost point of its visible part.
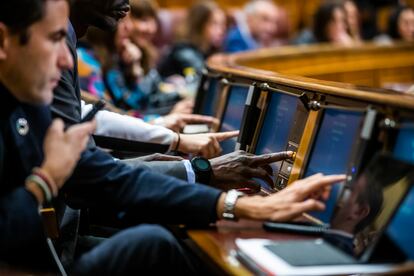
(99, 105)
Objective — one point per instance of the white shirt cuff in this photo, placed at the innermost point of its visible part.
(190, 171)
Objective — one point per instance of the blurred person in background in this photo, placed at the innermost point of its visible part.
(353, 20)
(329, 26)
(111, 67)
(401, 24)
(204, 35)
(255, 29)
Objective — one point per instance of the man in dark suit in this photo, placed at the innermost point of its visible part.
(40, 160)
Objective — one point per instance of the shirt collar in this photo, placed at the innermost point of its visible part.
(72, 34)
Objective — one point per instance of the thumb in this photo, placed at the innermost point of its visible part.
(57, 127)
(221, 136)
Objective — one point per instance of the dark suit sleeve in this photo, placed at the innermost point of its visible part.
(101, 182)
(20, 223)
(171, 168)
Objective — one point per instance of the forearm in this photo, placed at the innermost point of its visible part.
(172, 168)
(100, 181)
(111, 124)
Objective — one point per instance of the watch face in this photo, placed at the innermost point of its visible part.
(202, 164)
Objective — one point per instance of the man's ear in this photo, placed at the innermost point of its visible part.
(4, 40)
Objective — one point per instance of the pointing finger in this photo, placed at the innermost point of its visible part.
(271, 157)
(221, 136)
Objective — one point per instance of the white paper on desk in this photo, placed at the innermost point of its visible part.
(271, 263)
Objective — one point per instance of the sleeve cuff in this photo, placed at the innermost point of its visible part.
(190, 171)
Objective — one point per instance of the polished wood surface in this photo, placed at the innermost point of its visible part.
(369, 64)
(263, 66)
(219, 242)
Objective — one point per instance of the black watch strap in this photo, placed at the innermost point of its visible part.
(202, 169)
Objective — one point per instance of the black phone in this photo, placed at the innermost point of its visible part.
(91, 114)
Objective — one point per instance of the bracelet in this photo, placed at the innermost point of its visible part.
(47, 179)
(178, 142)
(42, 185)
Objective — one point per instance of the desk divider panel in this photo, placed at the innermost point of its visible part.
(238, 111)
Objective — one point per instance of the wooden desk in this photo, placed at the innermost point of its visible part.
(217, 245)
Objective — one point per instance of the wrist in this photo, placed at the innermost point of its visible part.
(202, 170)
(248, 207)
(36, 191)
(47, 171)
(48, 179)
(174, 141)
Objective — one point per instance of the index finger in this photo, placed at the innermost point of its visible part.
(317, 183)
(221, 136)
(195, 118)
(268, 158)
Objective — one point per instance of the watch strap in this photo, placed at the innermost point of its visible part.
(230, 204)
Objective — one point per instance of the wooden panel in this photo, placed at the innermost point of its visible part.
(304, 146)
(398, 75)
(287, 66)
(366, 78)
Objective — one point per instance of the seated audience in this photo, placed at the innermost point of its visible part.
(329, 26)
(111, 68)
(353, 20)
(205, 32)
(401, 24)
(256, 28)
(145, 28)
(36, 62)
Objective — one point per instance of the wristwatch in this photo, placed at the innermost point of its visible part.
(202, 169)
(229, 204)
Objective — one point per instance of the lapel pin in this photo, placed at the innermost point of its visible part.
(22, 126)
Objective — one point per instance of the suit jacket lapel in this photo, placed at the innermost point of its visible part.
(30, 148)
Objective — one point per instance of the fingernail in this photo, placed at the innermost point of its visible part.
(291, 154)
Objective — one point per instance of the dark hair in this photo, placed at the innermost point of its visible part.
(377, 177)
(393, 21)
(198, 16)
(323, 17)
(373, 196)
(19, 15)
(143, 9)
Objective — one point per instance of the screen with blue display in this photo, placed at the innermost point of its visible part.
(274, 133)
(209, 103)
(332, 150)
(401, 228)
(233, 115)
(404, 146)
